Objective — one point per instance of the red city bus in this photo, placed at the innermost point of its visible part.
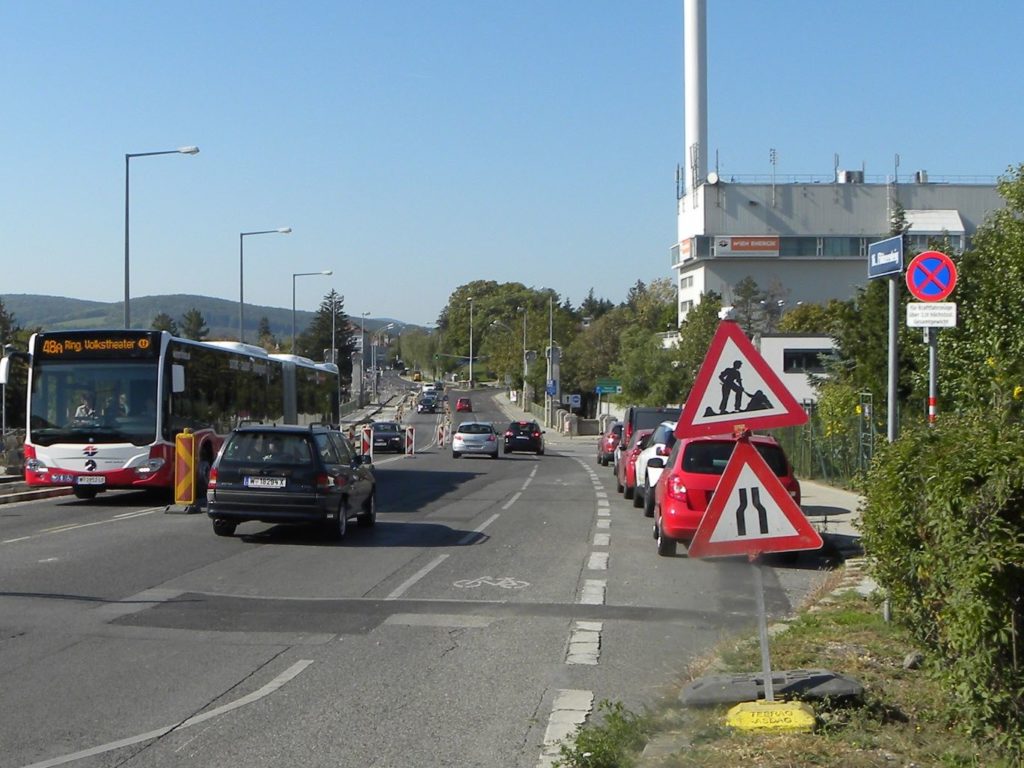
(104, 406)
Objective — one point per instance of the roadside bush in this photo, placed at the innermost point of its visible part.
(943, 525)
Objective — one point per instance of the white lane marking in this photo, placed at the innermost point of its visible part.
(11, 541)
(602, 502)
(416, 577)
(48, 560)
(447, 620)
(602, 539)
(533, 473)
(604, 523)
(598, 561)
(478, 530)
(584, 643)
(602, 495)
(604, 512)
(593, 592)
(256, 695)
(568, 712)
(76, 526)
(513, 500)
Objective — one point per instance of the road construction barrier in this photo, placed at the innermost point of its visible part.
(410, 441)
(441, 434)
(185, 469)
(366, 440)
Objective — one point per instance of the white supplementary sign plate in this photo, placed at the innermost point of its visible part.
(933, 314)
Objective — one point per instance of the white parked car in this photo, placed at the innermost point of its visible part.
(659, 444)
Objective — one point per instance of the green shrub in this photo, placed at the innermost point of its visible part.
(943, 525)
(611, 744)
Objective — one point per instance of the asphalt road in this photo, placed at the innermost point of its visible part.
(491, 607)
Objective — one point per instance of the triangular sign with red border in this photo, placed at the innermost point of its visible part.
(751, 512)
(736, 386)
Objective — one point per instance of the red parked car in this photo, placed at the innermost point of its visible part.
(464, 404)
(691, 474)
(607, 442)
(625, 470)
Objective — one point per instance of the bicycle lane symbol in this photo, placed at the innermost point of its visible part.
(503, 582)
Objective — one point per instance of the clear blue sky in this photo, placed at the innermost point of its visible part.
(417, 145)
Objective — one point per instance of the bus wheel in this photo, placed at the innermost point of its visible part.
(86, 494)
(203, 472)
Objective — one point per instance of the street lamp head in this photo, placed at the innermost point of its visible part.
(285, 230)
(327, 272)
(188, 150)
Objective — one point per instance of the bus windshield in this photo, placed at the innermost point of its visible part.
(105, 401)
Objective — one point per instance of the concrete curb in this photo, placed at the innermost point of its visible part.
(41, 493)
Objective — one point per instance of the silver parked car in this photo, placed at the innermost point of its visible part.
(475, 437)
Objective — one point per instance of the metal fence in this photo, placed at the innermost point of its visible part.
(836, 452)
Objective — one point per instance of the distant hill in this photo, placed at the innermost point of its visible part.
(54, 313)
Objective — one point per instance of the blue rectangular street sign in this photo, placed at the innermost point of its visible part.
(885, 257)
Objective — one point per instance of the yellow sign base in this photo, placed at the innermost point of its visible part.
(771, 716)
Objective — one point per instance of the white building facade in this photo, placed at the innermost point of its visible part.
(808, 241)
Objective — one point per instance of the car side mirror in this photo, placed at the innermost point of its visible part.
(656, 462)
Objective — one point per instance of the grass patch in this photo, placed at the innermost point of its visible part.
(902, 720)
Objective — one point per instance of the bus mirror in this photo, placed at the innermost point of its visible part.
(5, 367)
(177, 379)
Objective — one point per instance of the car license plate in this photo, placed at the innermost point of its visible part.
(264, 482)
(92, 480)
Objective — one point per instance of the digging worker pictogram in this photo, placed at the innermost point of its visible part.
(732, 382)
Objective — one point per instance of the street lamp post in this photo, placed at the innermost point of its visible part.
(470, 342)
(302, 274)
(373, 356)
(526, 311)
(127, 260)
(241, 281)
(362, 356)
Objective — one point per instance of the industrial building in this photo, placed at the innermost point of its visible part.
(801, 240)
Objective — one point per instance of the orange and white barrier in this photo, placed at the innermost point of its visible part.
(410, 441)
(366, 440)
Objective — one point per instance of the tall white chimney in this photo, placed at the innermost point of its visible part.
(695, 91)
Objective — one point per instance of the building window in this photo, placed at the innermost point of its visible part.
(798, 246)
(685, 306)
(685, 282)
(805, 360)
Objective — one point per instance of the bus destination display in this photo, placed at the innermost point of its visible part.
(80, 346)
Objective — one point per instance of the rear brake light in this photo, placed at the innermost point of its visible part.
(491, 438)
(676, 488)
(662, 450)
(323, 481)
(508, 433)
(211, 481)
(536, 434)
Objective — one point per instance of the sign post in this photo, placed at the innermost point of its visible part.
(931, 277)
(885, 259)
(751, 512)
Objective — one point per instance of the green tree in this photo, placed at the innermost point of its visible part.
(747, 297)
(193, 325)
(13, 337)
(315, 341)
(982, 358)
(265, 336)
(592, 353)
(695, 336)
(164, 322)
(593, 307)
(810, 318)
